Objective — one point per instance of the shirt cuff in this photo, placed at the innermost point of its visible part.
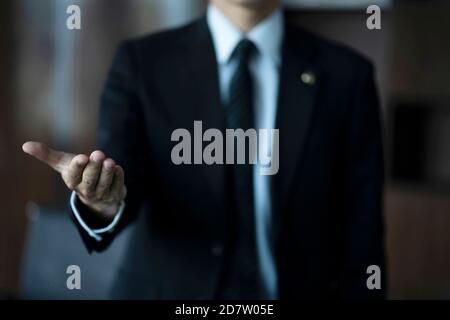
(95, 233)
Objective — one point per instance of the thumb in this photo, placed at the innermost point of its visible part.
(58, 160)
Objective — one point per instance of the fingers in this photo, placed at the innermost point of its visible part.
(91, 174)
(106, 177)
(74, 174)
(103, 184)
(58, 160)
(94, 178)
(118, 190)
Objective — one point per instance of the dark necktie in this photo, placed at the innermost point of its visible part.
(242, 277)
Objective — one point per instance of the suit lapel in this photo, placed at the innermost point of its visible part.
(295, 102)
(202, 85)
(299, 80)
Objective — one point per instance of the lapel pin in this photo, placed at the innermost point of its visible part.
(308, 78)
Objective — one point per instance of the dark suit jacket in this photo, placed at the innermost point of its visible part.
(327, 194)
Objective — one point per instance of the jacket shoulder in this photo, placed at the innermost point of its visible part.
(332, 54)
(163, 43)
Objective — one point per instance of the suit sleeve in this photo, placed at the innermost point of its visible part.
(121, 137)
(363, 240)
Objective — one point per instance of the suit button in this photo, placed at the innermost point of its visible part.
(217, 249)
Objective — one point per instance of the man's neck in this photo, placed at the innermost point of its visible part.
(246, 17)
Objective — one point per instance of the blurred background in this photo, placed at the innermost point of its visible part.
(50, 83)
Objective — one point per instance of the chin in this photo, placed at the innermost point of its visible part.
(252, 2)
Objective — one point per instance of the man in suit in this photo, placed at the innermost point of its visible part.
(225, 231)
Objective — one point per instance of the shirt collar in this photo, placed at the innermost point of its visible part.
(267, 35)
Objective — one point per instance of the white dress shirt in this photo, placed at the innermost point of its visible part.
(264, 67)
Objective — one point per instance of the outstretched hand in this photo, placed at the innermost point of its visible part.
(97, 180)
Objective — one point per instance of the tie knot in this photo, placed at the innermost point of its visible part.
(244, 50)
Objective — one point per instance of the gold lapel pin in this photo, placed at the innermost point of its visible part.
(308, 78)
